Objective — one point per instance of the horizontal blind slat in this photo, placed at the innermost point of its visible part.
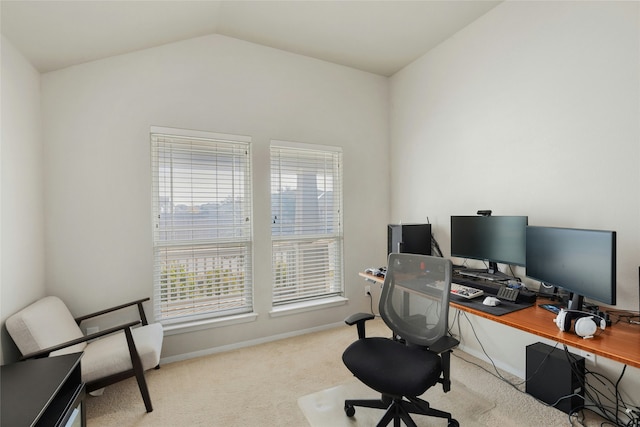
(202, 231)
(306, 202)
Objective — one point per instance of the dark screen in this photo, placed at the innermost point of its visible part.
(413, 238)
(579, 261)
(491, 238)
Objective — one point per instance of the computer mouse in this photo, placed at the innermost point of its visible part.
(492, 301)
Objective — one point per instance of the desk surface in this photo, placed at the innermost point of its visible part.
(619, 342)
(30, 387)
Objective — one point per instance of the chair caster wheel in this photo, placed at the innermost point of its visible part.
(453, 423)
(349, 410)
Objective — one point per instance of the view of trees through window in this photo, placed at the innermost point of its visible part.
(202, 238)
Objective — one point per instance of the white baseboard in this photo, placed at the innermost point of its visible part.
(501, 365)
(234, 346)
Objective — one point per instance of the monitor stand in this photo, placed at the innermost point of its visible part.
(576, 302)
(483, 274)
(492, 273)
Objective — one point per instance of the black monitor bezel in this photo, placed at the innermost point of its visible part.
(417, 235)
(456, 252)
(571, 285)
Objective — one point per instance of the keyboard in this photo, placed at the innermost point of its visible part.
(465, 291)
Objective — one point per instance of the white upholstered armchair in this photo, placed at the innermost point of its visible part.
(47, 328)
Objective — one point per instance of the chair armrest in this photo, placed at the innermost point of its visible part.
(359, 319)
(444, 343)
(139, 302)
(45, 352)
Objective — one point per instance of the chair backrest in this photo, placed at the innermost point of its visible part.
(43, 324)
(415, 297)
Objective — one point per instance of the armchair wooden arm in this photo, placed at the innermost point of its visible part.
(45, 352)
(46, 327)
(143, 317)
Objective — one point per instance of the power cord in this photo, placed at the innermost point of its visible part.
(497, 373)
(434, 244)
(371, 303)
(611, 414)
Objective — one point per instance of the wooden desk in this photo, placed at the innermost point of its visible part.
(42, 392)
(619, 342)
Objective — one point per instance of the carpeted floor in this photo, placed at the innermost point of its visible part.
(263, 386)
(326, 408)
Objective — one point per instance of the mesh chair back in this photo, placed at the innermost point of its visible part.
(415, 297)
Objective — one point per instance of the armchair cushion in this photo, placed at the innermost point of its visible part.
(43, 324)
(110, 355)
(47, 328)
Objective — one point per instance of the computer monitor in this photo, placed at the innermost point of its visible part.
(409, 239)
(582, 262)
(495, 239)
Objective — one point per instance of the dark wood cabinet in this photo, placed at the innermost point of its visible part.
(43, 392)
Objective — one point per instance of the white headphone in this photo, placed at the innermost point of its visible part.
(585, 325)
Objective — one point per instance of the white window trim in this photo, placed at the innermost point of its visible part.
(306, 306)
(178, 325)
(321, 302)
(199, 134)
(305, 146)
(216, 322)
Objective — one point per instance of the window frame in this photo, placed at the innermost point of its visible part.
(209, 145)
(335, 293)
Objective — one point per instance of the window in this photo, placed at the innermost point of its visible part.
(202, 229)
(306, 232)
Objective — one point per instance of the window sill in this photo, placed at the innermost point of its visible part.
(301, 307)
(198, 325)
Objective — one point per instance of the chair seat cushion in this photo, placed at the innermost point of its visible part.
(393, 368)
(110, 355)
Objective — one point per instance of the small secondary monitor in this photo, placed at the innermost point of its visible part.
(496, 239)
(582, 262)
(409, 239)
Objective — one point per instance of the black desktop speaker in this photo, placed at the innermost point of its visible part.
(551, 376)
(409, 238)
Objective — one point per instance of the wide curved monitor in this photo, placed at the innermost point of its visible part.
(579, 261)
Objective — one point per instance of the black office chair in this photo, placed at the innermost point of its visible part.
(415, 305)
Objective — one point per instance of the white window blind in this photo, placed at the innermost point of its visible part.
(202, 228)
(306, 208)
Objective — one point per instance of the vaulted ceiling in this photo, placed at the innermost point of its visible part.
(376, 36)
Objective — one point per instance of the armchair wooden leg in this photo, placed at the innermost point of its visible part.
(144, 391)
(139, 372)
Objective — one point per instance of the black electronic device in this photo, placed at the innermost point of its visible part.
(507, 293)
(553, 374)
(409, 238)
(582, 262)
(495, 239)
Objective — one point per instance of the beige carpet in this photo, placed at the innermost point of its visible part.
(261, 386)
(326, 408)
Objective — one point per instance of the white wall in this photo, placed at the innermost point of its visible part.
(21, 191)
(531, 110)
(98, 179)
